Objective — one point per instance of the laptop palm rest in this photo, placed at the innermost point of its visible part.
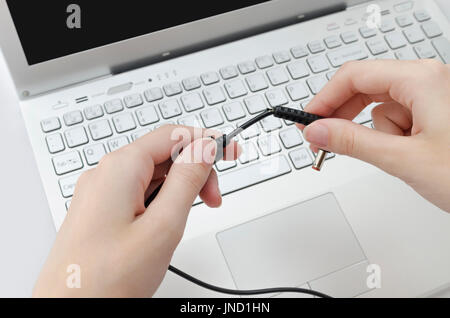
(292, 247)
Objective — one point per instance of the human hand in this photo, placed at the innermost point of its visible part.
(412, 136)
(122, 248)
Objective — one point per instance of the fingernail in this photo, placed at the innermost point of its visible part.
(317, 134)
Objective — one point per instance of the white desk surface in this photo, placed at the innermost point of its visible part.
(26, 227)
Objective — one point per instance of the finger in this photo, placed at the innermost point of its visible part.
(185, 180)
(210, 194)
(347, 138)
(392, 118)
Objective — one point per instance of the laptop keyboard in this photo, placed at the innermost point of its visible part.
(225, 98)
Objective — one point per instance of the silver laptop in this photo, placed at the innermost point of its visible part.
(348, 231)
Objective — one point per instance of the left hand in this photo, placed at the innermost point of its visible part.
(122, 248)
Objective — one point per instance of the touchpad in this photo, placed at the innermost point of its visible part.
(292, 247)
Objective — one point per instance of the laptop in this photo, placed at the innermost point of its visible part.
(107, 78)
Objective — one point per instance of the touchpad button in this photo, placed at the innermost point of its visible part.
(291, 247)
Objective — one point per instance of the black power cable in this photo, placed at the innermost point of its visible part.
(246, 292)
(296, 116)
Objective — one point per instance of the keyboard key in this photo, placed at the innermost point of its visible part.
(349, 37)
(269, 145)
(249, 153)
(316, 46)
(386, 56)
(367, 32)
(212, 118)
(366, 115)
(191, 83)
(277, 76)
(76, 137)
(301, 158)
(405, 54)
(172, 89)
(93, 112)
(141, 133)
(387, 25)
(291, 138)
(190, 121)
(225, 165)
(67, 186)
(255, 104)
(377, 46)
(347, 53)
(234, 111)
(210, 78)
(251, 132)
(257, 82)
(247, 67)
(134, 100)
(67, 163)
(214, 95)
(281, 57)
(413, 34)
(192, 102)
(330, 75)
(395, 40)
(421, 15)
(229, 72)
(100, 130)
(124, 122)
(114, 106)
(318, 64)
(297, 91)
(118, 143)
(264, 62)
(276, 98)
(425, 51)
(170, 108)
(55, 143)
(299, 51)
(317, 83)
(51, 124)
(153, 94)
(147, 116)
(431, 29)
(73, 118)
(254, 174)
(332, 41)
(94, 154)
(235, 89)
(404, 6)
(404, 21)
(270, 124)
(442, 46)
(305, 104)
(298, 70)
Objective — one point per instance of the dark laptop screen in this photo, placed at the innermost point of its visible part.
(52, 29)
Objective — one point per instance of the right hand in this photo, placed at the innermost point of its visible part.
(412, 136)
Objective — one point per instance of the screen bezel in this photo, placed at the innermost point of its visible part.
(105, 60)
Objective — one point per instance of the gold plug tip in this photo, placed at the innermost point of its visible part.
(320, 160)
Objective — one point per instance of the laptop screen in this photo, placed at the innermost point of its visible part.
(53, 29)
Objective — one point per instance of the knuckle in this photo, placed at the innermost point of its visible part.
(350, 142)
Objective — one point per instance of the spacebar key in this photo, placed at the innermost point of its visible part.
(254, 174)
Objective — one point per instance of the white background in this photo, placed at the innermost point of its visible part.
(26, 227)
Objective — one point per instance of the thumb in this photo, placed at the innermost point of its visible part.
(185, 180)
(388, 152)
